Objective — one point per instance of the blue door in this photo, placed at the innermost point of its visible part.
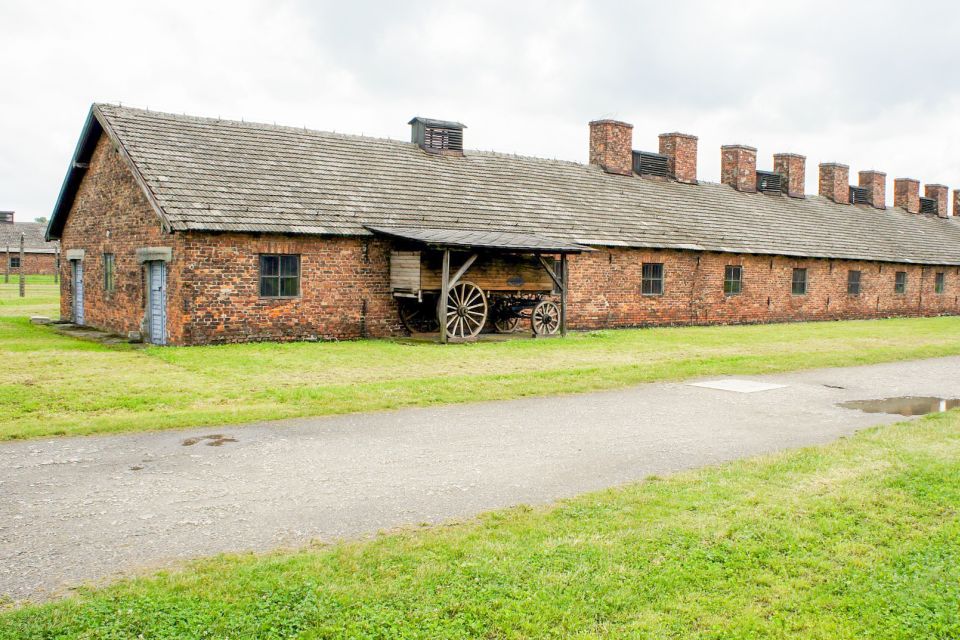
(77, 291)
(157, 301)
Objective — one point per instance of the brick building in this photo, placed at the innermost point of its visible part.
(196, 230)
(39, 256)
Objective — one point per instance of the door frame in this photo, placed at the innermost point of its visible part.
(75, 260)
(77, 294)
(156, 267)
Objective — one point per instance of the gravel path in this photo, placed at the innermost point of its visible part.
(85, 509)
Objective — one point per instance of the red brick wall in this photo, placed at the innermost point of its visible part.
(33, 263)
(111, 215)
(344, 289)
(605, 290)
(213, 293)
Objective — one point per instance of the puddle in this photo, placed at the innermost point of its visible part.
(903, 406)
(215, 440)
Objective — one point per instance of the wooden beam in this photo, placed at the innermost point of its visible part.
(23, 278)
(550, 272)
(462, 270)
(564, 274)
(444, 292)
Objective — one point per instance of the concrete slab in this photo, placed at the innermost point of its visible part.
(738, 386)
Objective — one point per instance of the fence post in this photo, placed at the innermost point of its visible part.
(23, 281)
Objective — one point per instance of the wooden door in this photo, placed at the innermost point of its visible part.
(77, 291)
(157, 302)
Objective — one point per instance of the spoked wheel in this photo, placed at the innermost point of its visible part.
(545, 319)
(465, 311)
(416, 316)
(506, 324)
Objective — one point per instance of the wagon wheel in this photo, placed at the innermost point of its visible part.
(506, 324)
(465, 311)
(416, 316)
(545, 319)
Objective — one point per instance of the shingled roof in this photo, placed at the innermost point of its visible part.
(33, 241)
(207, 174)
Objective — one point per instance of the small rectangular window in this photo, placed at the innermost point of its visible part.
(799, 283)
(853, 282)
(279, 276)
(732, 279)
(900, 284)
(652, 284)
(940, 282)
(108, 262)
(14, 262)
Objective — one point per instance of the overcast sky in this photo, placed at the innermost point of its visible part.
(871, 84)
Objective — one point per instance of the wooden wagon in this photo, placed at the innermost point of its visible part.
(460, 283)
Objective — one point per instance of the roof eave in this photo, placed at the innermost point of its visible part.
(71, 182)
(95, 125)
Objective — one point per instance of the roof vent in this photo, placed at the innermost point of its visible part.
(646, 163)
(6, 217)
(860, 195)
(437, 136)
(928, 205)
(769, 182)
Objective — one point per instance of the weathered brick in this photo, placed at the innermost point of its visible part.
(213, 279)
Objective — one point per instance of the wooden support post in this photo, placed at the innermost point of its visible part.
(6, 268)
(565, 277)
(23, 278)
(462, 270)
(550, 272)
(444, 292)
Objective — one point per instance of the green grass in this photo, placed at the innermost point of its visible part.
(856, 539)
(42, 297)
(65, 386)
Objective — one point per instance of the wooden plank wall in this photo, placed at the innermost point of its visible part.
(489, 272)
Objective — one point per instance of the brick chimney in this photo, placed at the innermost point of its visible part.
(876, 183)
(793, 168)
(835, 182)
(938, 192)
(956, 202)
(611, 146)
(738, 167)
(906, 194)
(681, 152)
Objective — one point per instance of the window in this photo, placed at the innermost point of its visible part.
(799, 284)
(279, 276)
(108, 261)
(732, 279)
(652, 284)
(900, 284)
(940, 282)
(14, 262)
(853, 282)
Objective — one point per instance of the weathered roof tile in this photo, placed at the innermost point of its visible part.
(217, 175)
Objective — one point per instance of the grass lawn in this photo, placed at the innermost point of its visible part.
(856, 539)
(42, 297)
(65, 386)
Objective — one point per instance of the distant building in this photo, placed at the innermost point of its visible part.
(201, 230)
(40, 256)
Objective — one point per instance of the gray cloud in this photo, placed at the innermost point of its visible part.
(866, 83)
